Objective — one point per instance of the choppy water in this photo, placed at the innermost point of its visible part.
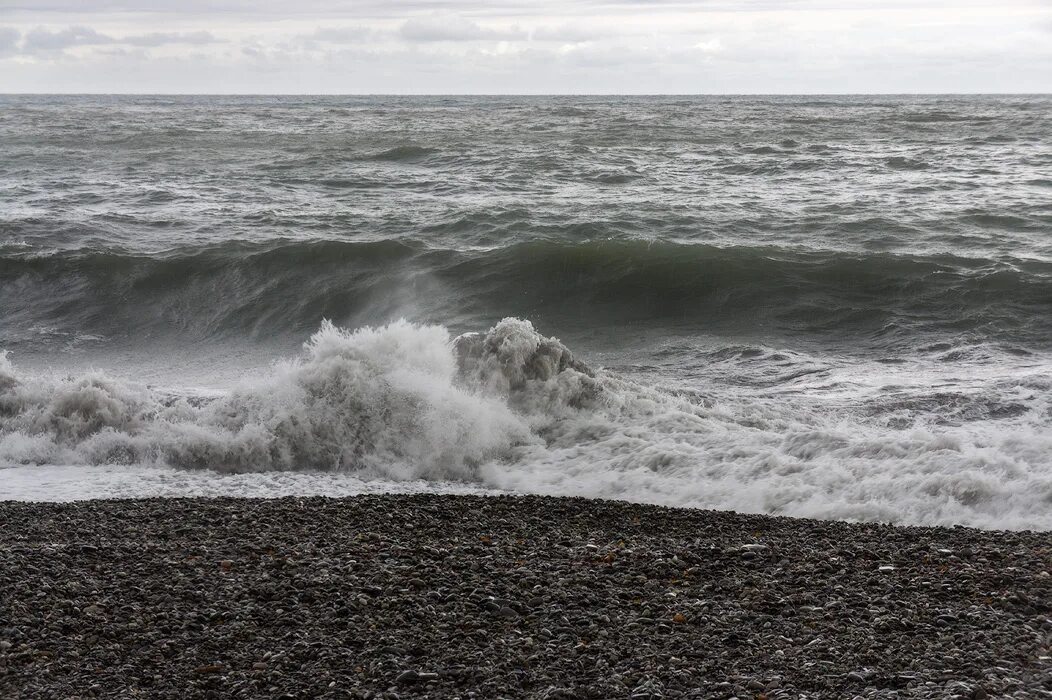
(826, 306)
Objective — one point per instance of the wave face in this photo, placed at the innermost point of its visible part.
(236, 290)
(835, 306)
(511, 409)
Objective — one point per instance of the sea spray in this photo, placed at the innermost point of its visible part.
(514, 410)
(383, 402)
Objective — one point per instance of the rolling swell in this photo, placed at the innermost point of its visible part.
(286, 287)
(230, 288)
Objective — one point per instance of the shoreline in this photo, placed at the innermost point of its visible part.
(426, 595)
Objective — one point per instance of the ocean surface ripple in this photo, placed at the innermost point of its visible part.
(837, 307)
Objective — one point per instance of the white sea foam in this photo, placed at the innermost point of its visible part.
(407, 407)
(378, 402)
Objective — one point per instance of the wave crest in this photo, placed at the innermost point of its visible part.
(384, 402)
(400, 401)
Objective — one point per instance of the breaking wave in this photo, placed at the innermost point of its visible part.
(511, 409)
(239, 289)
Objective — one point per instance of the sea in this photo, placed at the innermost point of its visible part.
(834, 307)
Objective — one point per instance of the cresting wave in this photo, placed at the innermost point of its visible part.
(396, 402)
(511, 409)
(284, 287)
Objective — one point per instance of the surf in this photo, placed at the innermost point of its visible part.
(510, 409)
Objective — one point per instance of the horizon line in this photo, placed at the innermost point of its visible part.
(517, 94)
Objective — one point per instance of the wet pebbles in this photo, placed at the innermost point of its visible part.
(455, 596)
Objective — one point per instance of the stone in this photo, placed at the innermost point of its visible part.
(407, 677)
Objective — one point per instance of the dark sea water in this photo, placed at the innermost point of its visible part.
(837, 307)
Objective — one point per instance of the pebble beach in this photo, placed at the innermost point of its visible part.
(439, 596)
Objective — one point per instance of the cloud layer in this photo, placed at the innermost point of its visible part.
(455, 28)
(625, 46)
(40, 40)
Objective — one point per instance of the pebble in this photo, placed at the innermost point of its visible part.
(335, 597)
(407, 677)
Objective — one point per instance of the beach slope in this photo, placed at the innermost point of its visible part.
(487, 597)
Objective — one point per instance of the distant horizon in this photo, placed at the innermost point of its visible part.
(525, 94)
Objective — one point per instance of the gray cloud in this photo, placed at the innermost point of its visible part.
(567, 32)
(389, 8)
(525, 45)
(8, 40)
(162, 38)
(339, 35)
(264, 8)
(45, 40)
(618, 57)
(454, 28)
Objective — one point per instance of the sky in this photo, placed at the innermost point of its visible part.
(525, 46)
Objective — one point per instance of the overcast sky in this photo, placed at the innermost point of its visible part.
(524, 46)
